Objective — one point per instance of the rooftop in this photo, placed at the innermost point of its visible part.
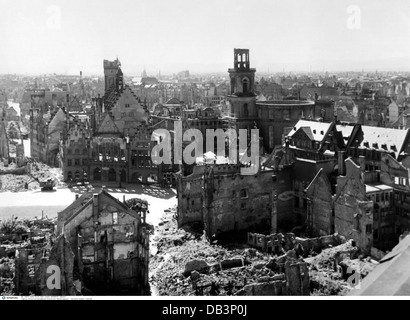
(314, 130)
(377, 137)
(377, 188)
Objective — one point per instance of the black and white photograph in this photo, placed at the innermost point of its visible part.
(186, 149)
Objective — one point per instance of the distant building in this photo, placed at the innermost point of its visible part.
(113, 144)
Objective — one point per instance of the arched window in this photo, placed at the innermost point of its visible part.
(245, 85)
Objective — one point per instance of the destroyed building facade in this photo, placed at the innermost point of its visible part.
(110, 244)
(224, 200)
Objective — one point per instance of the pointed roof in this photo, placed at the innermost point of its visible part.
(108, 126)
(316, 131)
(367, 136)
(321, 174)
(69, 213)
(173, 101)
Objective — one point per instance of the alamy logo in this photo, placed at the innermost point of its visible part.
(54, 17)
(54, 278)
(162, 153)
(354, 19)
(354, 279)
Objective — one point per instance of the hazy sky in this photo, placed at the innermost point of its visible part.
(66, 36)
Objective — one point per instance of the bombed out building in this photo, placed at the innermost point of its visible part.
(109, 242)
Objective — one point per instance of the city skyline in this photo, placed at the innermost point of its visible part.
(65, 37)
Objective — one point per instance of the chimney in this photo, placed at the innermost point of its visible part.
(362, 162)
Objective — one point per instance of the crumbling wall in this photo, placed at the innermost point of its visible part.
(45, 271)
(320, 217)
(60, 256)
(293, 280)
(190, 200)
(279, 242)
(353, 211)
(239, 203)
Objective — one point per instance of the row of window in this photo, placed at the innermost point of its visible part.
(370, 154)
(305, 143)
(401, 181)
(401, 212)
(142, 163)
(125, 114)
(381, 197)
(400, 197)
(141, 153)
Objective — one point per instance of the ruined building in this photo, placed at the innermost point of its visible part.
(109, 242)
(223, 200)
(364, 196)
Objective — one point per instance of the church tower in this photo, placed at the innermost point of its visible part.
(242, 98)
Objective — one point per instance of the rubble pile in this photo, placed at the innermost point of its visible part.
(17, 234)
(7, 272)
(185, 263)
(18, 182)
(331, 270)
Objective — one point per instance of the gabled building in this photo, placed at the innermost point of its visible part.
(311, 140)
(373, 142)
(109, 242)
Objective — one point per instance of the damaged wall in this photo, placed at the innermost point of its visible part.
(110, 244)
(223, 200)
(320, 217)
(353, 211)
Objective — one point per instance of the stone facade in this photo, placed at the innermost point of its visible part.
(223, 200)
(113, 145)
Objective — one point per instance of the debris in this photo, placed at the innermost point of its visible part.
(195, 265)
